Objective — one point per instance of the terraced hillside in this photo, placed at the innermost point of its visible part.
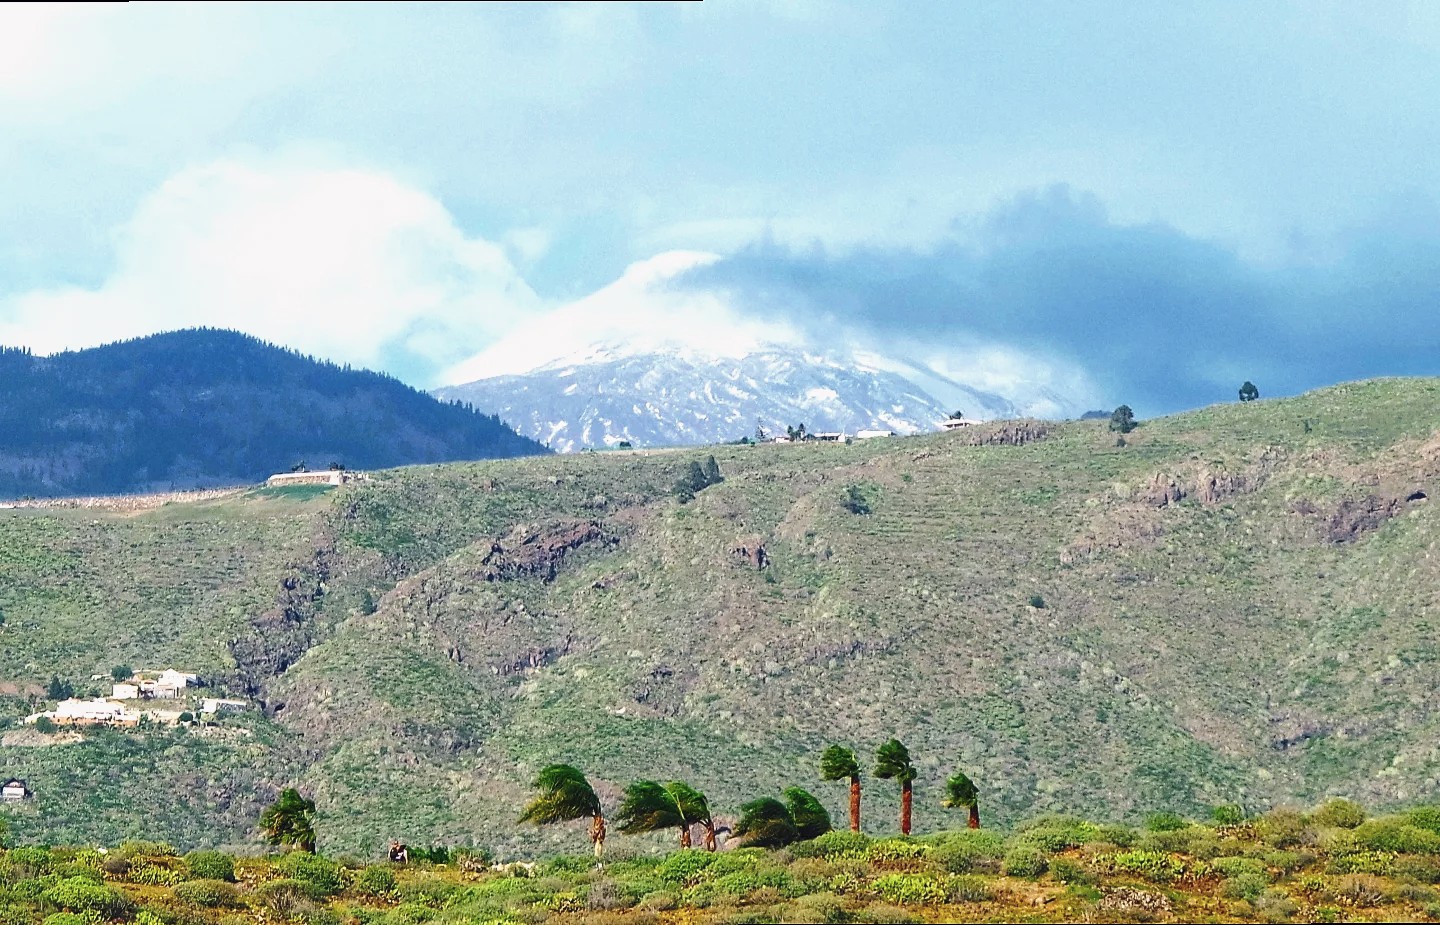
(1235, 605)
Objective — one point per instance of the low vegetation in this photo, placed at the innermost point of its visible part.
(1331, 864)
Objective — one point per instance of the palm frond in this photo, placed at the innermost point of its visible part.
(766, 823)
(564, 794)
(647, 807)
(838, 763)
(892, 762)
(960, 792)
(809, 814)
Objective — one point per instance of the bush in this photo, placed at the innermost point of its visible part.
(659, 901)
(1069, 871)
(686, 867)
(817, 908)
(1339, 813)
(1121, 836)
(1165, 822)
(607, 895)
(1024, 861)
(1234, 867)
(1425, 817)
(1228, 814)
(211, 894)
(210, 865)
(80, 894)
(320, 875)
(896, 849)
(911, 889)
(1363, 862)
(436, 892)
(1419, 869)
(1284, 828)
(833, 845)
(137, 848)
(155, 875)
(375, 881)
(1056, 833)
(1395, 834)
(1152, 865)
(283, 897)
(1245, 885)
(29, 860)
(1274, 906)
(65, 918)
(885, 914)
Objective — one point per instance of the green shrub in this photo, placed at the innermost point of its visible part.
(66, 918)
(1151, 865)
(686, 867)
(1419, 869)
(1165, 822)
(83, 871)
(436, 892)
(320, 875)
(1056, 833)
(137, 848)
(1363, 862)
(817, 908)
(1359, 891)
(911, 889)
(968, 890)
(566, 864)
(608, 894)
(154, 875)
(1066, 870)
(29, 860)
(80, 894)
(1339, 813)
(1024, 861)
(1274, 906)
(832, 845)
(283, 897)
(659, 901)
(1245, 885)
(212, 894)
(1395, 834)
(375, 881)
(1284, 828)
(1121, 836)
(1228, 814)
(896, 849)
(210, 865)
(1425, 817)
(1234, 867)
(1287, 862)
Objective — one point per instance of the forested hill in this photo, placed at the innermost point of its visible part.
(207, 407)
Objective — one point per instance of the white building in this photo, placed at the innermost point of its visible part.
(958, 423)
(872, 434)
(97, 712)
(177, 679)
(125, 691)
(14, 791)
(218, 705)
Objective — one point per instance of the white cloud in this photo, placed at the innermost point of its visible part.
(346, 263)
(640, 312)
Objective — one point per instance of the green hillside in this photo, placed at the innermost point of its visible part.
(1235, 606)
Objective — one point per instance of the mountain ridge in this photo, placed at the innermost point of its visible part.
(204, 407)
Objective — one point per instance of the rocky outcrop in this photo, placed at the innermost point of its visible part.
(1005, 433)
(277, 637)
(533, 552)
(1353, 518)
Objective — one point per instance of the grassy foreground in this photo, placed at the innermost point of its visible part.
(1332, 864)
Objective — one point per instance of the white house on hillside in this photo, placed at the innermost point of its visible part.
(14, 791)
(958, 423)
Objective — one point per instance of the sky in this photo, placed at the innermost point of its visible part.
(1133, 202)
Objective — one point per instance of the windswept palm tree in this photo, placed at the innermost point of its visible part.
(809, 814)
(892, 762)
(961, 792)
(290, 821)
(649, 806)
(565, 794)
(839, 763)
(766, 823)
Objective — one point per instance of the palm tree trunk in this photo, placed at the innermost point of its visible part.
(974, 815)
(685, 836)
(905, 808)
(855, 804)
(597, 834)
(710, 836)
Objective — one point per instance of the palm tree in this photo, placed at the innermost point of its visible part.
(290, 821)
(649, 807)
(960, 791)
(564, 795)
(809, 814)
(838, 763)
(766, 823)
(892, 762)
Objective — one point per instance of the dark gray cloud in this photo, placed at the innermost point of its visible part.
(1159, 319)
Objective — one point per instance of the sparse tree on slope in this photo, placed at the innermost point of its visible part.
(565, 794)
(649, 806)
(290, 820)
(1123, 420)
(838, 763)
(892, 762)
(961, 792)
(1248, 392)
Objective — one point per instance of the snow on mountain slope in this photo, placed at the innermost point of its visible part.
(686, 397)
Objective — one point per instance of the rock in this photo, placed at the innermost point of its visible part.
(1127, 901)
(1354, 518)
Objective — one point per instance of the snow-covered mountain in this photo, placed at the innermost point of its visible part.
(605, 394)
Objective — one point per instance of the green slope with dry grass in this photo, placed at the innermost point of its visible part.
(1234, 606)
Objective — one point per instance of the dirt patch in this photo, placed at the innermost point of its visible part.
(34, 738)
(536, 552)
